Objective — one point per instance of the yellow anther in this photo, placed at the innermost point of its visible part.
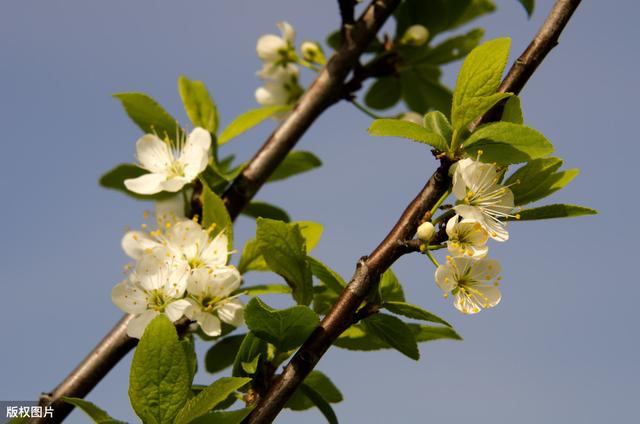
(517, 216)
(167, 224)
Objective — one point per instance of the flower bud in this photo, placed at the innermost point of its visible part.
(415, 35)
(426, 231)
(312, 52)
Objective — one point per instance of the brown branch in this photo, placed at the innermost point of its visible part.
(323, 92)
(369, 270)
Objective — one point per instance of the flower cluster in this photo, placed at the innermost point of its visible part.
(279, 69)
(180, 271)
(482, 206)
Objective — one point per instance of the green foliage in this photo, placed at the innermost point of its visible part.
(114, 179)
(251, 258)
(410, 130)
(208, 398)
(437, 122)
(252, 347)
(512, 111)
(506, 143)
(214, 213)
(223, 417)
(412, 311)
(222, 354)
(296, 162)
(384, 93)
(257, 209)
(324, 406)
(248, 120)
(528, 6)
(98, 415)
(422, 90)
(311, 232)
(328, 276)
(394, 332)
(286, 329)
(198, 104)
(149, 115)
(322, 385)
(189, 348)
(555, 211)
(357, 337)
(160, 379)
(478, 79)
(284, 250)
(261, 289)
(389, 288)
(538, 179)
(453, 48)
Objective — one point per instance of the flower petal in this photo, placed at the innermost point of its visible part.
(174, 184)
(216, 253)
(175, 310)
(288, 32)
(269, 46)
(137, 325)
(445, 278)
(195, 154)
(128, 298)
(210, 324)
(232, 312)
(135, 243)
(145, 184)
(154, 154)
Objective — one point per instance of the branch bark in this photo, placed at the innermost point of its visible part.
(391, 248)
(326, 90)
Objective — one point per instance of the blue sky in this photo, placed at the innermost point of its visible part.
(560, 346)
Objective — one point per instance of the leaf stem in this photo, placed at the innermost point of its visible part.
(364, 110)
(441, 200)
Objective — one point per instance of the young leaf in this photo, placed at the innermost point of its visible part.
(422, 91)
(389, 288)
(324, 406)
(512, 111)
(198, 104)
(438, 123)
(475, 107)
(357, 337)
(453, 48)
(257, 209)
(325, 274)
(98, 415)
(479, 77)
(384, 93)
(412, 311)
(149, 115)
(284, 250)
(249, 120)
(261, 289)
(439, 15)
(311, 232)
(393, 332)
(322, 385)
(427, 333)
(189, 348)
(223, 353)
(215, 213)
(286, 329)
(538, 179)
(528, 6)
(207, 399)
(223, 417)
(296, 162)
(554, 211)
(406, 129)
(505, 143)
(160, 380)
(251, 259)
(250, 348)
(114, 179)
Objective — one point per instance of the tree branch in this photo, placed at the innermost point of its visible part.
(391, 248)
(322, 93)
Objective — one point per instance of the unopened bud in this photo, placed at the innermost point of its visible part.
(415, 35)
(312, 52)
(426, 231)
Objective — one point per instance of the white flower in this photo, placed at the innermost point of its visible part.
(467, 237)
(284, 90)
(480, 197)
(312, 52)
(155, 287)
(170, 166)
(271, 48)
(211, 301)
(425, 231)
(169, 210)
(415, 35)
(472, 281)
(184, 241)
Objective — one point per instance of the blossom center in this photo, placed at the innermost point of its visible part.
(157, 300)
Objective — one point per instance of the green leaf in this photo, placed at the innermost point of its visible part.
(207, 399)
(384, 93)
(474, 108)
(394, 332)
(189, 348)
(222, 354)
(248, 120)
(357, 337)
(114, 179)
(453, 48)
(250, 348)
(257, 209)
(406, 129)
(325, 274)
(251, 259)
(261, 289)
(160, 380)
(98, 415)
(284, 250)
(505, 143)
(554, 211)
(286, 329)
(412, 311)
(296, 162)
(323, 299)
(223, 417)
(538, 179)
(311, 232)
(528, 6)
(214, 212)
(149, 115)
(322, 385)
(479, 77)
(427, 333)
(437, 122)
(512, 111)
(324, 406)
(389, 288)
(422, 91)
(198, 104)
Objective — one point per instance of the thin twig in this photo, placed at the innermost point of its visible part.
(369, 270)
(322, 93)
